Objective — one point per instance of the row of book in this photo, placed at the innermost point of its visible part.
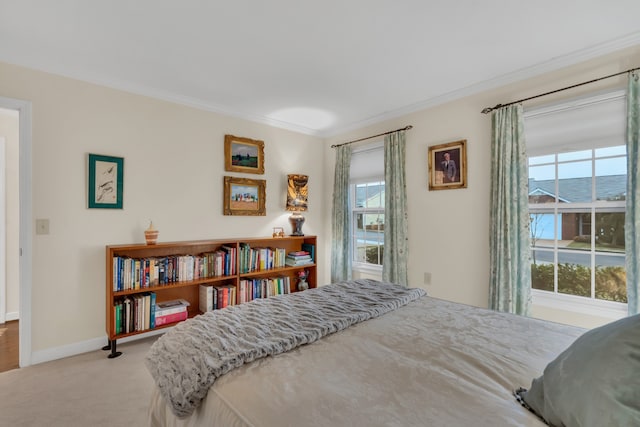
(257, 259)
(217, 297)
(141, 312)
(251, 289)
(137, 313)
(132, 273)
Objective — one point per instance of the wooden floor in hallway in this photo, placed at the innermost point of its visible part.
(9, 355)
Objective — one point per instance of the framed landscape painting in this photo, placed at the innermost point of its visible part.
(448, 165)
(105, 181)
(243, 196)
(243, 155)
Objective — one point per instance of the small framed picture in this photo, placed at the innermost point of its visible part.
(448, 165)
(243, 155)
(243, 196)
(105, 181)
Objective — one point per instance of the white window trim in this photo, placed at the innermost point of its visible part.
(583, 305)
(365, 267)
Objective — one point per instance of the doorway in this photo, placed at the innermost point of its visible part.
(9, 239)
(16, 299)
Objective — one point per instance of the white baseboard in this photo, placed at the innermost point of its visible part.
(67, 350)
(14, 315)
(74, 349)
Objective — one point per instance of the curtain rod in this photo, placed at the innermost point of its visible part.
(490, 109)
(369, 137)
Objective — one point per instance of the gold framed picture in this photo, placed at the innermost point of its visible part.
(243, 155)
(448, 165)
(243, 196)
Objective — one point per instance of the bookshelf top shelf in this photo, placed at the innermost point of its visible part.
(210, 242)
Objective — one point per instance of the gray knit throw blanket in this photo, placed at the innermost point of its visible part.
(187, 360)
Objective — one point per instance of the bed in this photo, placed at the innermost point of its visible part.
(417, 361)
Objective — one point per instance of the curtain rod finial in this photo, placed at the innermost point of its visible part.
(490, 109)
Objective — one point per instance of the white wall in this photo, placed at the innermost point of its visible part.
(449, 229)
(9, 130)
(173, 174)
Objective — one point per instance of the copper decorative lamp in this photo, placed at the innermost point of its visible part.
(297, 193)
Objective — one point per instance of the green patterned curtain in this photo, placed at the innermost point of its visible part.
(509, 241)
(341, 220)
(396, 238)
(632, 216)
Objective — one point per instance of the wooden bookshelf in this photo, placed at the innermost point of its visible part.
(119, 288)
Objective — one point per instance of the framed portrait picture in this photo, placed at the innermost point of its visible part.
(105, 181)
(243, 155)
(448, 165)
(243, 196)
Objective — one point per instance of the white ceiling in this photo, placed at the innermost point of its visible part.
(320, 67)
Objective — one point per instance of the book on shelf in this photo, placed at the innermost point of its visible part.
(296, 254)
(173, 303)
(165, 311)
(208, 298)
(152, 312)
(117, 318)
(127, 316)
(171, 307)
(311, 249)
(171, 318)
(292, 262)
(147, 312)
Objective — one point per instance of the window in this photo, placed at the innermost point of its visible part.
(577, 189)
(576, 208)
(368, 222)
(367, 206)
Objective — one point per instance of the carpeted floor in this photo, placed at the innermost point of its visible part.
(85, 390)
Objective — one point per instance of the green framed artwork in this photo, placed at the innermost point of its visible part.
(106, 181)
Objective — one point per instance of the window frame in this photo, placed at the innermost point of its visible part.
(560, 127)
(357, 265)
(553, 299)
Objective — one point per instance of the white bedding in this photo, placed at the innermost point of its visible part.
(429, 363)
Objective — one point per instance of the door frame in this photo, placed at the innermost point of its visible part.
(3, 232)
(26, 223)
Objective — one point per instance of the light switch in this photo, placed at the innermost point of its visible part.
(42, 226)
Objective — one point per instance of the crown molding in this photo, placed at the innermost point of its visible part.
(162, 95)
(519, 75)
(513, 77)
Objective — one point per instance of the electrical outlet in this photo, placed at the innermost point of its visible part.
(427, 278)
(42, 226)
